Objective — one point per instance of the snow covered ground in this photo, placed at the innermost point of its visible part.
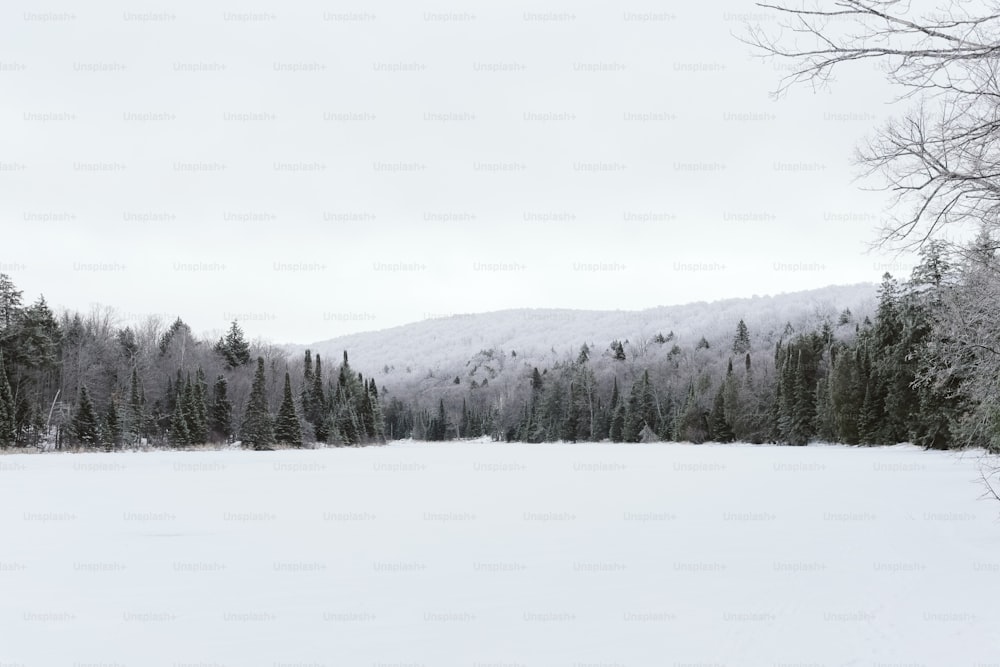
(489, 555)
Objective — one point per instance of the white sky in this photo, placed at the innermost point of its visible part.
(748, 195)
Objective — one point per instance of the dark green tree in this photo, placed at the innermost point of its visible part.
(741, 342)
(222, 411)
(287, 430)
(7, 409)
(84, 426)
(112, 431)
(234, 347)
(257, 430)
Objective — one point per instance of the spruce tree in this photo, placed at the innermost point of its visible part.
(135, 414)
(318, 404)
(721, 430)
(257, 430)
(305, 391)
(634, 417)
(287, 430)
(180, 433)
(441, 430)
(571, 420)
(648, 405)
(234, 347)
(7, 410)
(112, 430)
(84, 425)
(741, 342)
(378, 418)
(189, 409)
(222, 411)
(616, 429)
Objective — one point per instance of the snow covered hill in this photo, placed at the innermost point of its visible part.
(440, 349)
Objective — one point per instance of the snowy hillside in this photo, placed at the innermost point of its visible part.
(450, 346)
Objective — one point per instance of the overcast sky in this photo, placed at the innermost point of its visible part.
(319, 168)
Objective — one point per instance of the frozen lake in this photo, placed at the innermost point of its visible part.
(490, 555)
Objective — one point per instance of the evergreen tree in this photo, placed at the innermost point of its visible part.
(233, 347)
(378, 418)
(438, 429)
(633, 415)
(180, 431)
(7, 408)
(222, 411)
(571, 418)
(84, 426)
(10, 302)
(465, 426)
(305, 391)
(287, 430)
(318, 407)
(647, 404)
(198, 423)
(135, 413)
(112, 430)
(741, 342)
(257, 430)
(721, 430)
(616, 430)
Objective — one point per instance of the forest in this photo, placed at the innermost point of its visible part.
(923, 368)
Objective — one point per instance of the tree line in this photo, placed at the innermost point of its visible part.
(83, 381)
(923, 369)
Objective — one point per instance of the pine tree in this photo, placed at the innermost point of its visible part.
(84, 426)
(741, 342)
(112, 430)
(571, 419)
(648, 406)
(287, 430)
(617, 428)
(438, 429)
(199, 410)
(721, 430)
(8, 430)
(180, 432)
(222, 411)
(465, 425)
(135, 414)
(365, 410)
(257, 430)
(305, 391)
(378, 418)
(234, 347)
(318, 403)
(10, 301)
(633, 415)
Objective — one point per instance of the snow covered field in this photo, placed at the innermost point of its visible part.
(499, 555)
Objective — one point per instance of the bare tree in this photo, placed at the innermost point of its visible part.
(940, 158)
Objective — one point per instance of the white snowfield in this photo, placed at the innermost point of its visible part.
(499, 555)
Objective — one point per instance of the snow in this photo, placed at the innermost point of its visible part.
(488, 554)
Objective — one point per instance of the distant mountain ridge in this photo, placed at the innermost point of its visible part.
(444, 347)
